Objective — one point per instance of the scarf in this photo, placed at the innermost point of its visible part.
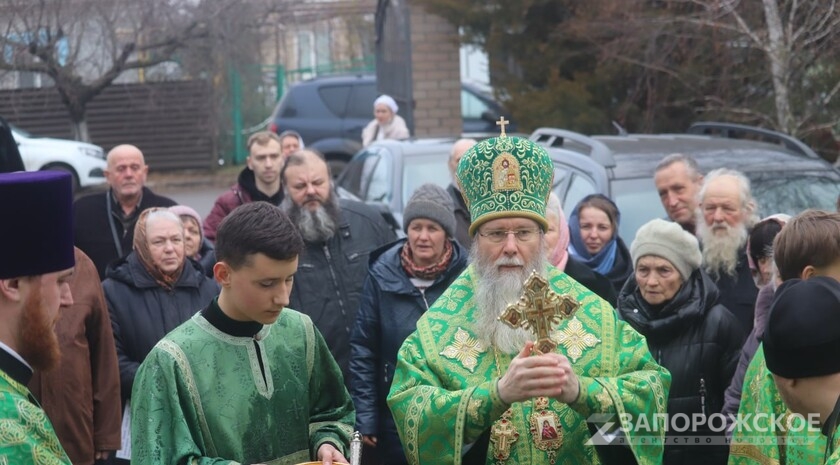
(430, 272)
(144, 253)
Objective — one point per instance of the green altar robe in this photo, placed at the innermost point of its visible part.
(200, 396)
(761, 443)
(444, 393)
(26, 434)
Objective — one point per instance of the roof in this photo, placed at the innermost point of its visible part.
(637, 155)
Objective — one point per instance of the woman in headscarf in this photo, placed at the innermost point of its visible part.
(404, 279)
(595, 242)
(674, 304)
(760, 259)
(557, 241)
(152, 290)
(386, 123)
(196, 246)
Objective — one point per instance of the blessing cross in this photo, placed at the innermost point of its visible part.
(538, 309)
(502, 122)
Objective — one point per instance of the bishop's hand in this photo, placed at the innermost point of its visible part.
(328, 454)
(530, 376)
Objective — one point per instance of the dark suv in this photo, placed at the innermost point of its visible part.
(330, 113)
(786, 176)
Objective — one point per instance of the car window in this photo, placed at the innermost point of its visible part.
(579, 187)
(335, 98)
(376, 177)
(471, 106)
(638, 202)
(351, 177)
(361, 101)
(420, 170)
(288, 106)
(792, 193)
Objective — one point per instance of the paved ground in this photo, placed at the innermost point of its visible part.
(185, 179)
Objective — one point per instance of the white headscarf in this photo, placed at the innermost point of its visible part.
(387, 100)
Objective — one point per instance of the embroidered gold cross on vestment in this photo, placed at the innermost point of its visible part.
(539, 308)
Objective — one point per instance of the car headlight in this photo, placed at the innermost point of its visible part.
(92, 152)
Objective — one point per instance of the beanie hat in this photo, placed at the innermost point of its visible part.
(802, 338)
(40, 241)
(431, 202)
(667, 240)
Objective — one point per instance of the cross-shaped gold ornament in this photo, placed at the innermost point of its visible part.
(539, 308)
(502, 122)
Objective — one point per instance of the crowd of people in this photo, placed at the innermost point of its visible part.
(134, 331)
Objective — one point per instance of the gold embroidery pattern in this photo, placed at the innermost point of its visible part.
(465, 350)
(473, 408)
(604, 400)
(575, 339)
(503, 434)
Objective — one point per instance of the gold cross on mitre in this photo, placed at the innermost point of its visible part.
(502, 122)
(539, 308)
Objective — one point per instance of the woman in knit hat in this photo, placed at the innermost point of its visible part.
(404, 279)
(673, 303)
(196, 246)
(386, 123)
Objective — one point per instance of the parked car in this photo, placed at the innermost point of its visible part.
(330, 113)
(786, 176)
(85, 162)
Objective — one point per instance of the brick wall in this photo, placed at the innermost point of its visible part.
(436, 75)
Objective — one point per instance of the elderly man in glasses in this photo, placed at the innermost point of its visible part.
(469, 388)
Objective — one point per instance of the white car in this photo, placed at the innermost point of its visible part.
(85, 162)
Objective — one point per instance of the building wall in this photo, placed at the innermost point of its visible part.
(436, 80)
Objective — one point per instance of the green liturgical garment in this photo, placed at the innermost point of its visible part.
(755, 441)
(200, 397)
(444, 394)
(26, 434)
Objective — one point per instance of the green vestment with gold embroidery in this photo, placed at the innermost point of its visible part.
(758, 442)
(444, 392)
(26, 434)
(200, 396)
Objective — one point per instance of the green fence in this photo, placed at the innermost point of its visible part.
(255, 91)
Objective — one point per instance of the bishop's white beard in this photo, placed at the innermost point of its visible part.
(720, 251)
(495, 290)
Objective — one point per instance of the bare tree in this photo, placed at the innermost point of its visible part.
(83, 46)
(800, 43)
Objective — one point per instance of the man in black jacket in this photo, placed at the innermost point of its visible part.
(104, 222)
(339, 235)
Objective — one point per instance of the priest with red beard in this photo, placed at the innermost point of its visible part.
(725, 216)
(36, 264)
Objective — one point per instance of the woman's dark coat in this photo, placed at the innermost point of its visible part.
(388, 312)
(699, 342)
(142, 311)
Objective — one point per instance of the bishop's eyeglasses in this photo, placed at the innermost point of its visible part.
(497, 236)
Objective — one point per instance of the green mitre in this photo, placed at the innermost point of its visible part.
(505, 177)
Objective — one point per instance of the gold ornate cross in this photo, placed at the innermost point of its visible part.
(503, 434)
(539, 308)
(502, 122)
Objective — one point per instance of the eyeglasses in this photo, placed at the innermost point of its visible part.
(498, 236)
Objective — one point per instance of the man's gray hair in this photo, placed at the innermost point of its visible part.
(748, 203)
(688, 160)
